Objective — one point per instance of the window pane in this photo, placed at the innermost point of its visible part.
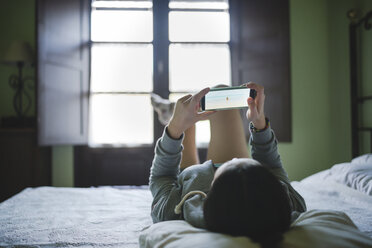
(203, 133)
(199, 4)
(120, 67)
(193, 67)
(199, 26)
(121, 25)
(122, 4)
(120, 119)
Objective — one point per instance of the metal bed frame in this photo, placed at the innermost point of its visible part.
(356, 25)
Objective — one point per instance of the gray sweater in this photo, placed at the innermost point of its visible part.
(168, 186)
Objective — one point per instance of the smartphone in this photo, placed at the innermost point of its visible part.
(227, 98)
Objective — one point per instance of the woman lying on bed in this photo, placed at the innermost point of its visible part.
(230, 193)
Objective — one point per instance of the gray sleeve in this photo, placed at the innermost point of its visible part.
(264, 148)
(163, 178)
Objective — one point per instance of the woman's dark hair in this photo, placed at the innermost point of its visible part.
(248, 200)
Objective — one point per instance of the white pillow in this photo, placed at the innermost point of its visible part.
(357, 174)
(315, 228)
(364, 159)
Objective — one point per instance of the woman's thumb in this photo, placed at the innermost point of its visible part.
(251, 103)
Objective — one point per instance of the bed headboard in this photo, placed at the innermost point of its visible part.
(357, 98)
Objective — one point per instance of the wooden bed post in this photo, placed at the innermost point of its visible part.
(355, 99)
(353, 83)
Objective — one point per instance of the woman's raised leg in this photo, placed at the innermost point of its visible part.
(190, 154)
(227, 137)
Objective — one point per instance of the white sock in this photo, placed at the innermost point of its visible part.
(163, 107)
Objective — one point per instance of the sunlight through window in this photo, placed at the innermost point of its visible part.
(122, 64)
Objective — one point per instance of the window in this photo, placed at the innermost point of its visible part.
(122, 63)
(199, 53)
(121, 73)
(258, 44)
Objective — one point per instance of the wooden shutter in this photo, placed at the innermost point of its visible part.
(260, 53)
(63, 71)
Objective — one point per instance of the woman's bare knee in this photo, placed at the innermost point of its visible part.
(220, 86)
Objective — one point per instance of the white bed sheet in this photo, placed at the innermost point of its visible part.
(112, 217)
(75, 217)
(320, 193)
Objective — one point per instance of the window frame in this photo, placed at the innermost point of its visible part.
(161, 47)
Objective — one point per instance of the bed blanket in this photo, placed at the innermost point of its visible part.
(326, 194)
(315, 228)
(110, 217)
(75, 217)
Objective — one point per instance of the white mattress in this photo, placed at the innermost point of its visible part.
(112, 217)
(78, 217)
(320, 193)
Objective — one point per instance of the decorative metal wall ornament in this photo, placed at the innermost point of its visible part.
(22, 99)
(20, 55)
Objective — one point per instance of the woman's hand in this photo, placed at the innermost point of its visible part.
(255, 112)
(186, 113)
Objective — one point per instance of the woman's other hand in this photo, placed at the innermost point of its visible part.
(186, 113)
(255, 112)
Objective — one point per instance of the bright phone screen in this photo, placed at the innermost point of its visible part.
(226, 99)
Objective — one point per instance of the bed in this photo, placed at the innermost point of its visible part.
(339, 202)
(116, 216)
(120, 216)
(75, 217)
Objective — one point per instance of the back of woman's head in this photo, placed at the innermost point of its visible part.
(247, 200)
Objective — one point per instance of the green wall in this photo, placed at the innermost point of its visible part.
(319, 81)
(15, 24)
(63, 166)
(309, 150)
(339, 83)
(321, 85)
